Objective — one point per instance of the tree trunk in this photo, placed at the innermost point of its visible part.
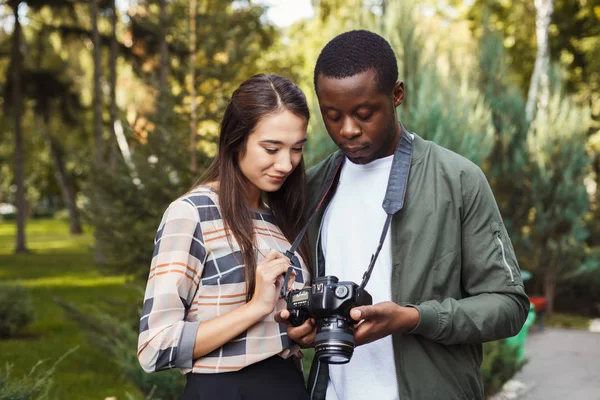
(112, 67)
(548, 273)
(17, 103)
(550, 290)
(64, 181)
(193, 105)
(164, 59)
(98, 142)
(540, 77)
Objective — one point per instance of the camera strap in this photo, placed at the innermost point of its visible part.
(394, 195)
(392, 203)
(291, 253)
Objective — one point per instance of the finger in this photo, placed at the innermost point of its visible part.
(276, 268)
(272, 255)
(297, 333)
(282, 317)
(292, 280)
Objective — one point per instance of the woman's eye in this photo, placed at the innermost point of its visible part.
(297, 149)
(271, 151)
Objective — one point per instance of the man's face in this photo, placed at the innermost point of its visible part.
(360, 119)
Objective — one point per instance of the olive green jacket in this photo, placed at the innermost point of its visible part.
(452, 260)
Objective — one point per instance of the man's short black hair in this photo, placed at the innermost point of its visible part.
(355, 52)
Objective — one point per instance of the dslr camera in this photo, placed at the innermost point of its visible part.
(329, 302)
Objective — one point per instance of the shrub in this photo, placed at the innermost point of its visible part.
(36, 384)
(500, 363)
(16, 310)
(119, 339)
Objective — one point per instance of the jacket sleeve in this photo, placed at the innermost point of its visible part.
(166, 339)
(495, 305)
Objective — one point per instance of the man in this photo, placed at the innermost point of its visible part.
(446, 279)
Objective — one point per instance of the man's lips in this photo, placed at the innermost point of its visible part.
(354, 150)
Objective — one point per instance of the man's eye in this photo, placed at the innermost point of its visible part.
(365, 117)
(333, 118)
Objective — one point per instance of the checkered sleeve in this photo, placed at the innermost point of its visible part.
(166, 339)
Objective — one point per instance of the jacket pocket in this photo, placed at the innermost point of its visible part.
(504, 246)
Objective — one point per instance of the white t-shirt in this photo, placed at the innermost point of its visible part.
(350, 234)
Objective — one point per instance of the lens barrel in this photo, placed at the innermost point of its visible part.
(334, 342)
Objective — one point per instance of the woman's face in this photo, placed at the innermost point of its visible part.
(273, 150)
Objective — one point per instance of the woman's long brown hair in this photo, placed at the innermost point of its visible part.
(256, 98)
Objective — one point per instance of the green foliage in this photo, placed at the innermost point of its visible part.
(36, 384)
(62, 265)
(445, 107)
(119, 339)
(16, 310)
(500, 363)
(556, 144)
(32, 385)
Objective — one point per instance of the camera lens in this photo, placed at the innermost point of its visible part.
(334, 342)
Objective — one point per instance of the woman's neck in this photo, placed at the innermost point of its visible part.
(254, 196)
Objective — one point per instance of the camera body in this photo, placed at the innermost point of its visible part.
(329, 302)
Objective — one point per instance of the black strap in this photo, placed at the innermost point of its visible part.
(291, 253)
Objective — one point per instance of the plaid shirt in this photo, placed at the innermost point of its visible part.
(196, 276)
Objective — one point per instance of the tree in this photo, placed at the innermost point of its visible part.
(98, 140)
(16, 107)
(556, 144)
(17, 104)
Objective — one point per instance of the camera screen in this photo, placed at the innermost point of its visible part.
(302, 296)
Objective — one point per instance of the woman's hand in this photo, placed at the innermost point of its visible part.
(269, 279)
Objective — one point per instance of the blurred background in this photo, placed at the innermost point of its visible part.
(109, 110)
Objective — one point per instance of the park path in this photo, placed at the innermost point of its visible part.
(563, 364)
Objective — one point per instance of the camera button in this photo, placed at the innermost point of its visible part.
(340, 323)
(341, 292)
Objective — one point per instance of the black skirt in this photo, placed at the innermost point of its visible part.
(272, 379)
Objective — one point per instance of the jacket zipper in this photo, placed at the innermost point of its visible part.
(512, 278)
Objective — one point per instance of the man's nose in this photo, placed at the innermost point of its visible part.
(350, 128)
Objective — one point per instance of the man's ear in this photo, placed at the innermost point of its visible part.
(398, 93)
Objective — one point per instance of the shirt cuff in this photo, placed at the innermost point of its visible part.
(185, 348)
(428, 320)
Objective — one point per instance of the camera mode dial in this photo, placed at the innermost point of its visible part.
(341, 292)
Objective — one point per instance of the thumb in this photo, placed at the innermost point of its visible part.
(359, 313)
(282, 316)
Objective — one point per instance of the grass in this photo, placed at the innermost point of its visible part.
(558, 320)
(61, 265)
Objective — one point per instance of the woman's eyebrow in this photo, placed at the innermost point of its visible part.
(277, 142)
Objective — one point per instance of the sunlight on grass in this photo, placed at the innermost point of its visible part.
(61, 266)
(71, 280)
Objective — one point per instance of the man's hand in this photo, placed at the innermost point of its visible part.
(382, 319)
(304, 334)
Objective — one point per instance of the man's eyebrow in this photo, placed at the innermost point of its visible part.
(364, 104)
(361, 105)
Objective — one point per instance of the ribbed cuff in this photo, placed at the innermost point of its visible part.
(185, 348)
(428, 320)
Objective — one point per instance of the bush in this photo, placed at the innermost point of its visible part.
(119, 339)
(36, 384)
(500, 363)
(16, 310)
(25, 388)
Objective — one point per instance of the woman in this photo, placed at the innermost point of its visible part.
(216, 274)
